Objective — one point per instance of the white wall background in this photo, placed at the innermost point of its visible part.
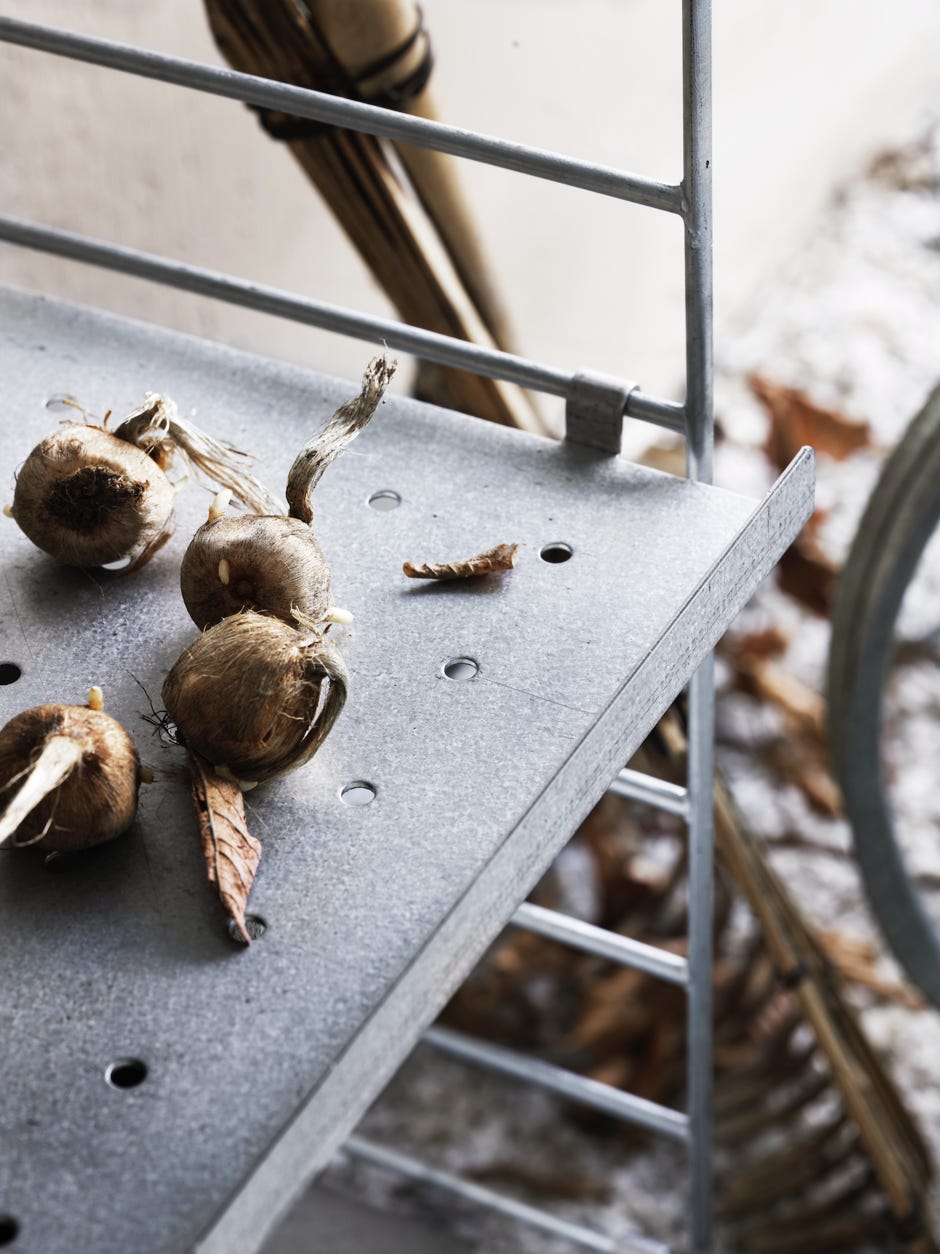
(804, 91)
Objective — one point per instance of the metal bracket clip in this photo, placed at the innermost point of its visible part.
(595, 409)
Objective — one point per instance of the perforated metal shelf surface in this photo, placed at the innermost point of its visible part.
(261, 1060)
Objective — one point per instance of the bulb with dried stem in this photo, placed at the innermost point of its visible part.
(246, 696)
(274, 564)
(88, 496)
(69, 776)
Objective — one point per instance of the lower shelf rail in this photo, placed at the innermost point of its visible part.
(534, 1216)
(556, 926)
(567, 1084)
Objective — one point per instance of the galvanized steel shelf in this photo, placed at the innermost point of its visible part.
(258, 1064)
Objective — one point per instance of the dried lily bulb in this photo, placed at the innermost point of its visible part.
(246, 696)
(69, 776)
(88, 496)
(275, 564)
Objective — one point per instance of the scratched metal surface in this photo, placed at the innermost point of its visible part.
(260, 1060)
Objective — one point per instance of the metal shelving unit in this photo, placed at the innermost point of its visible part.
(259, 1065)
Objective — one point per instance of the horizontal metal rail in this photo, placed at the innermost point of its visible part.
(348, 114)
(535, 1217)
(567, 1084)
(670, 798)
(598, 940)
(428, 345)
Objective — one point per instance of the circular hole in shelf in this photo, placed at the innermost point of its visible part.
(9, 672)
(385, 500)
(9, 1229)
(126, 1073)
(358, 793)
(61, 403)
(461, 668)
(556, 552)
(255, 926)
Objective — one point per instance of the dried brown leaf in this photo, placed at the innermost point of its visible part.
(617, 1013)
(501, 557)
(815, 783)
(744, 650)
(795, 420)
(908, 168)
(658, 1068)
(804, 708)
(232, 853)
(808, 574)
(797, 766)
(801, 756)
(628, 887)
(857, 962)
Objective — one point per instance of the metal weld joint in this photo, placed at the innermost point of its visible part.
(595, 409)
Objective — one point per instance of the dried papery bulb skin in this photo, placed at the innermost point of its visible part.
(75, 770)
(87, 498)
(346, 423)
(274, 564)
(246, 696)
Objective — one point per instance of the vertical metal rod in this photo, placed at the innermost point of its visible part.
(701, 890)
(697, 206)
(697, 212)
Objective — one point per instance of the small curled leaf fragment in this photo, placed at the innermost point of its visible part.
(232, 854)
(500, 558)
